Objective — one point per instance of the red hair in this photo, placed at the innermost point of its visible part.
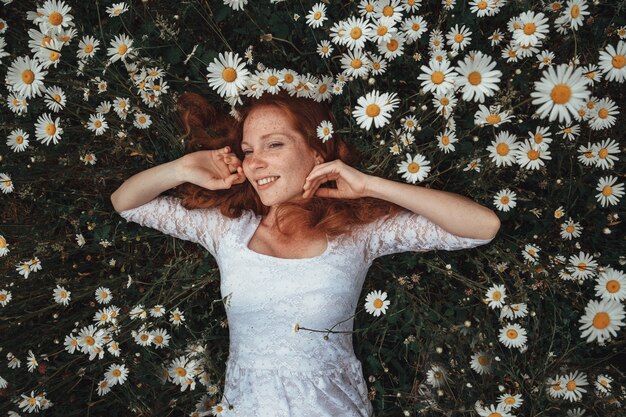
(208, 128)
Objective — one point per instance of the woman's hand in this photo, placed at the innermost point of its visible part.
(212, 169)
(351, 183)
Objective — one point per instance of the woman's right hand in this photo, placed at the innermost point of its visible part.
(215, 169)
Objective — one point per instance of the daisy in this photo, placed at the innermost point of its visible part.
(559, 212)
(448, 4)
(603, 384)
(570, 229)
(445, 103)
(18, 141)
(121, 106)
(376, 303)
(181, 369)
(358, 31)
(120, 47)
(505, 200)
(510, 401)
(611, 285)
(53, 16)
(545, 59)
(317, 15)
(610, 193)
(177, 317)
(481, 7)
(573, 383)
(378, 64)
(411, 5)
(355, 63)
(492, 116)
(6, 186)
(435, 40)
(560, 93)
(496, 37)
(227, 74)
(103, 295)
(532, 156)
(414, 168)
(48, 130)
(575, 13)
(142, 120)
(591, 74)
(4, 246)
(324, 49)
(392, 48)
(603, 114)
(383, 29)
(570, 132)
(160, 338)
(513, 336)
(481, 363)
(493, 411)
(514, 311)
(477, 77)
(541, 136)
(389, 8)
(236, 4)
(458, 38)
(30, 403)
(142, 337)
(50, 55)
(582, 266)
(374, 107)
(25, 77)
(496, 296)
(61, 295)
(325, 131)
(3, 26)
(218, 410)
(366, 8)
(503, 149)
(115, 10)
(446, 140)
(531, 253)
(55, 98)
(437, 77)
(605, 152)
(510, 52)
(436, 376)
(138, 312)
(116, 374)
(5, 297)
(533, 28)
(413, 28)
(556, 387)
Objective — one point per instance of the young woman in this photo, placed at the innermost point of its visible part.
(294, 228)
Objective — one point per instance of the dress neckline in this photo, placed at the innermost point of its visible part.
(254, 225)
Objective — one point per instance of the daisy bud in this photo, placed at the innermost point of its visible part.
(439, 349)
(424, 108)
(467, 323)
(518, 71)
(371, 81)
(606, 231)
(501, 388)
(475, 138)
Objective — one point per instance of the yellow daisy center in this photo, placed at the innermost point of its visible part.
(458, 38)
(176, 317)
(582, 266)
(28, 76)
(104, 295)
(416, 26)
(382, 30)
(356, 33)
(19, 140)
(45, 40)
(141, 120)
(317, 15)
(323, 88)
(3, 297)
(54, 56)
(436, 43)
(556, 6)
(97, 124)
(474, 78)
(603, 153)
(392, 45)
(575, 12)
(482, 5)
(511, 334)
(529, 28)
(509, 400)
(378, 303)
(325, 49)
(122, 49)
(116, 373)
(533, 154)
(387, 11)
(229, 74)
(51, 129)
(505, 199)
(356, 63)
(144, 337)
(369, 8)
(444, 101)
(372, 110)
(376, 65)
(437, 77)
(613, 286)
(181, 371)
(413, 168)
(272, 80)
(561, 93)
(538, 138)
(445, 139)
(483, 360)
(570, 229)
(288, 78)
(326, 131)
(55, 18)
(493, 119)
(158, 339)
(497, 296)
(512, 53)
(90, 340)
(607, 191)
(603, 113)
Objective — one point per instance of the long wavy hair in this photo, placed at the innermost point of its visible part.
(206, 127)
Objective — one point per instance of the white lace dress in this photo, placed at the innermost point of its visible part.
(273, 370)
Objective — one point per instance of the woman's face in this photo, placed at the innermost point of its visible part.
(273, 149)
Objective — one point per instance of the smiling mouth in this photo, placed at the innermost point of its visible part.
(267, 180)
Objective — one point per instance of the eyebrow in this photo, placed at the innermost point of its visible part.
(267, 136)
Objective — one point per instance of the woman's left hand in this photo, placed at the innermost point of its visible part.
(351, 183)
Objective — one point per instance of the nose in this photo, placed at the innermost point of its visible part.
(255, 161)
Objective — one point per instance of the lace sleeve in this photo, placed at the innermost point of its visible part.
(408, 231)
(166, 214)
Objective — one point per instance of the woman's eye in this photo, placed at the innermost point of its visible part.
(277, 144)
(246, 152)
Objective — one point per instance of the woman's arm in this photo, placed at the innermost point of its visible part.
(456, 214)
